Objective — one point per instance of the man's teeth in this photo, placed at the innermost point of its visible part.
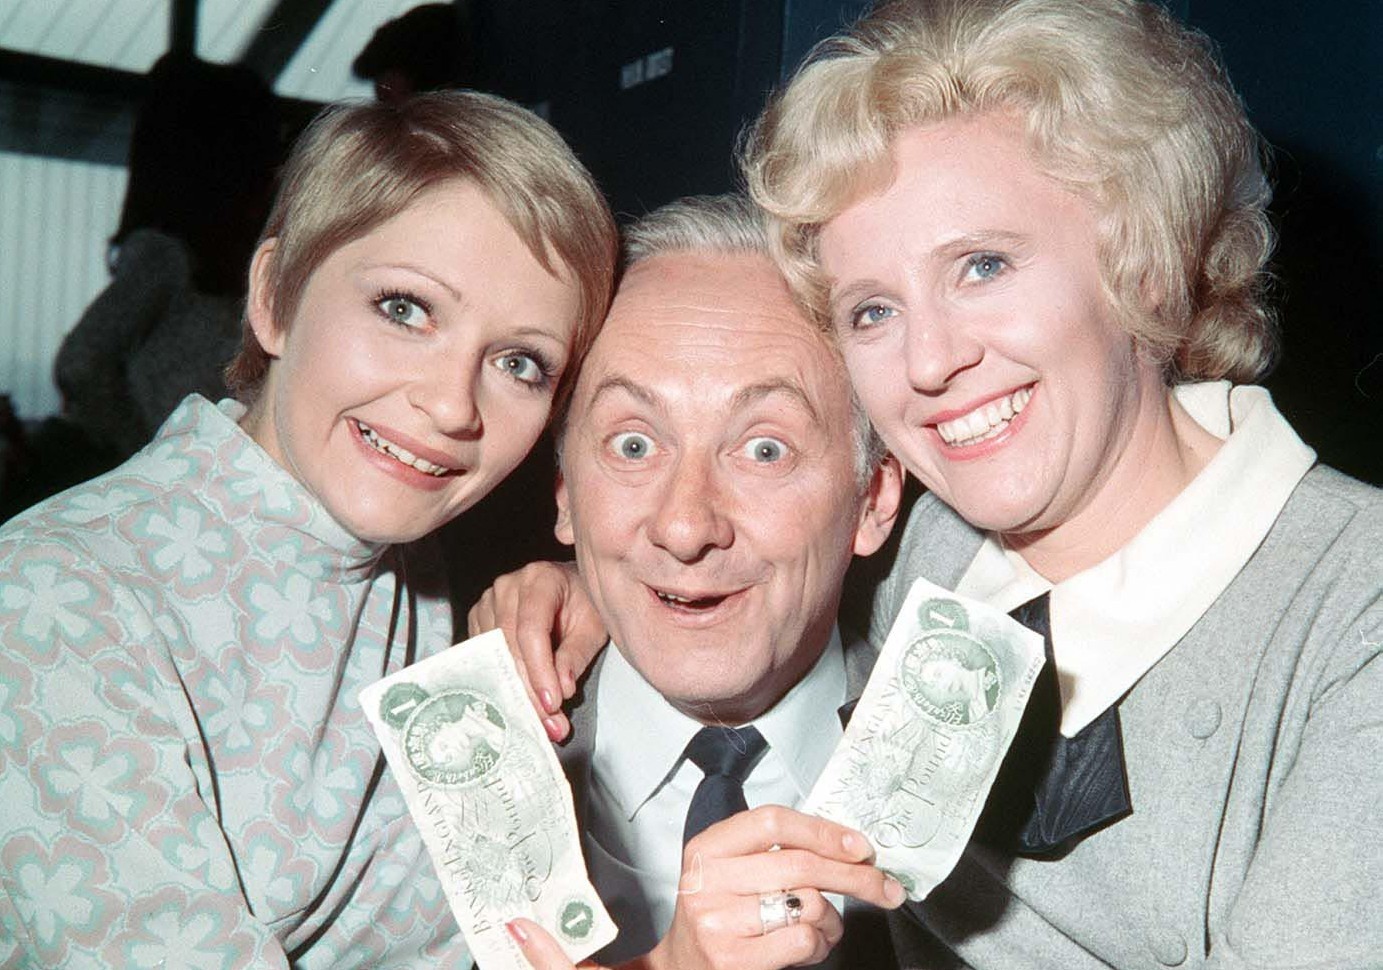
(399, 452)
(984, 422)
(676, 600)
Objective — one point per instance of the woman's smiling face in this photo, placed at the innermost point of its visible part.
(968, 303)
(419, 367)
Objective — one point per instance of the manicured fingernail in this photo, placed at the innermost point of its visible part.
(549, 704)
(553, 729)
(894, 891)
(517, 932)
(851, 842)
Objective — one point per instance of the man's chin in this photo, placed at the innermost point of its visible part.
(716, 700)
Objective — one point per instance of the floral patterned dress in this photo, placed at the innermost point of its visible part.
(186, 777)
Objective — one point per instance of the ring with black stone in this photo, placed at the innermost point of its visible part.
(793, 905)
(774, 910)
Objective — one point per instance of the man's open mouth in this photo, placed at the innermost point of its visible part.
(691, 603)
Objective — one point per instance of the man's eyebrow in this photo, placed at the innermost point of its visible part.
(755, 393)
(617, 383)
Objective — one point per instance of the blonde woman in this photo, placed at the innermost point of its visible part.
(185, 772)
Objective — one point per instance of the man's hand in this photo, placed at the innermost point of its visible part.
(725, 870)
(728, 867)
(539, 606)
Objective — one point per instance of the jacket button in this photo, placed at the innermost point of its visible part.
(1202, 718)
(1168, 947)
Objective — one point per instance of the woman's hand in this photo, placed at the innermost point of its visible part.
(540, 949)
(543, 604)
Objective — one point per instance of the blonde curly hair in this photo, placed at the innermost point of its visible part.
(1122, 104)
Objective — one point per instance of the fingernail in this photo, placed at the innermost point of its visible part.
(850, 841)
(548, 704)
(568, 683)
(894, 891)
(517, 932)
(553, 729)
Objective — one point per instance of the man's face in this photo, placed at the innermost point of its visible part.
(709, 483)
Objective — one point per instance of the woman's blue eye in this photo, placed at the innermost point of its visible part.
(871, 315)
(632, 446)
(766, 449)
(403, 311)
(985, 266)
(522, 367)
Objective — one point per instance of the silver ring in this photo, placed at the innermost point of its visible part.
(773, 911)
(793, 905)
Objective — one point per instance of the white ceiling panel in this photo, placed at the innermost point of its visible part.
(124, 34)
(224, 27)
(129, 35)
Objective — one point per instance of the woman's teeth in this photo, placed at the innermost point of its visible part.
(984, 422)
(400, 453)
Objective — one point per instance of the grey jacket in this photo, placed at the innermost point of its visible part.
(1255, 762)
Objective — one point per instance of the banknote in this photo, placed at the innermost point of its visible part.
(486, 790)
(927, 737)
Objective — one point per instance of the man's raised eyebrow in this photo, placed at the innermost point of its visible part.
(754, 393)
(611, 384)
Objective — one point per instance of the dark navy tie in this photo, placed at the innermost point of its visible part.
(1053, 791)
(726, 756)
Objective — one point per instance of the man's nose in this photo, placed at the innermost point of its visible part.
(692, 518)
(447, 393)
(938, 347)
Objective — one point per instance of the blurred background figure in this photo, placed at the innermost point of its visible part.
(203, 154)
(429, 48)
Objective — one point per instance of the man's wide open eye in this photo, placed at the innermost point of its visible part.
(764, 449)
(632, 445)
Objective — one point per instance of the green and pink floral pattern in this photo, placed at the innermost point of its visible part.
(186, 780)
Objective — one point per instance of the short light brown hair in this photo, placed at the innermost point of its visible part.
(359, 165)
(1122, 104)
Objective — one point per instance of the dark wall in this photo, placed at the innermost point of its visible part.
(1312, 77)
(652, 93)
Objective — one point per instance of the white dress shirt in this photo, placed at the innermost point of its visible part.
(1114, 621)
(641, 784)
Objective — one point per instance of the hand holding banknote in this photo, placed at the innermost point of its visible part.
(490, 799)
(727, 870)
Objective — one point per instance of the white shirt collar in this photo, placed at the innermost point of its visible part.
(1114, 621)
(628, 706)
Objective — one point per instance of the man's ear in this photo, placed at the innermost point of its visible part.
(259, 304)
(881, 503)
(563, 529)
